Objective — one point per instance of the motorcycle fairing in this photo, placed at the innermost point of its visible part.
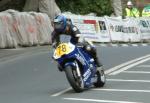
(63, 49)
(84, 59)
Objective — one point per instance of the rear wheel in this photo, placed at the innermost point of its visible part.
(75, 81)
(101, 79)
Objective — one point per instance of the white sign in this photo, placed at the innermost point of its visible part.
(144, 25)
(112, 29)
(131, 30)
(115, 27)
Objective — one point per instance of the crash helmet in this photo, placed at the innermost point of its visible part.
(129, 3)
(60, 23)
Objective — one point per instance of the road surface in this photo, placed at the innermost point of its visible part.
(29, 75)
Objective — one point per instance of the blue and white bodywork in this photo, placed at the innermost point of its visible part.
(79, 66)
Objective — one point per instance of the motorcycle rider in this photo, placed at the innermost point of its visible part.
(62, 25)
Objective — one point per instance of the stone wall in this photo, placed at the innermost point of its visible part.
(44, 6)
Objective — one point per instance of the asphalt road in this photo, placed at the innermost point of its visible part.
(29, 75)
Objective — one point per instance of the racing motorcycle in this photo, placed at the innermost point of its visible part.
(79, 67)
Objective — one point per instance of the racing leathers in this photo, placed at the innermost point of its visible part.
(73, 31)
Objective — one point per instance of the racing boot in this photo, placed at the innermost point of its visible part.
(98, 63)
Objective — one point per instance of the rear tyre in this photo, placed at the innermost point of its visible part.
(101, 79)
(75, 81)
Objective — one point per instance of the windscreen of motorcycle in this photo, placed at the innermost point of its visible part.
(63, 48)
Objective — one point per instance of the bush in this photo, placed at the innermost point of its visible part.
(100, 7)
(13, 4)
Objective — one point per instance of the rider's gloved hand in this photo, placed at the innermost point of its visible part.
(54, 45)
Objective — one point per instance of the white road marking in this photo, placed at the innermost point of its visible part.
(145, 66)
(114, 70)
(61, 92)
(137, 72)
(114, 45)
(123, 90)
(123, 80)
(97, 100)
(103, 45)
(144, 45)
(129, 66)
(125, 45)
(134, 45)
(125, 64)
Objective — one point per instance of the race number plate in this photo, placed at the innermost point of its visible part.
(62, 49)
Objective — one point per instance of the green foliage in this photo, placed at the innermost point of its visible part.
(100, 7)
(13, 4)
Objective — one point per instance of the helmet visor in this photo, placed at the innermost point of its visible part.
(58, 25)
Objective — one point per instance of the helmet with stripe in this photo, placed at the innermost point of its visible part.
(60, 23)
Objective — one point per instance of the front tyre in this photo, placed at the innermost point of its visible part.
(75, 81)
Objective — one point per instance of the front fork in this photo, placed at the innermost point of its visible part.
(78, 69)
(78, 72)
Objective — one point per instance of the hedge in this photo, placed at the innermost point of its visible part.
(100, 7)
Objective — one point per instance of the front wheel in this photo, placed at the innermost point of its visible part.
(101, 79)
(75, 81)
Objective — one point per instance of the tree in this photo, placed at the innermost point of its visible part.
(100, 7)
